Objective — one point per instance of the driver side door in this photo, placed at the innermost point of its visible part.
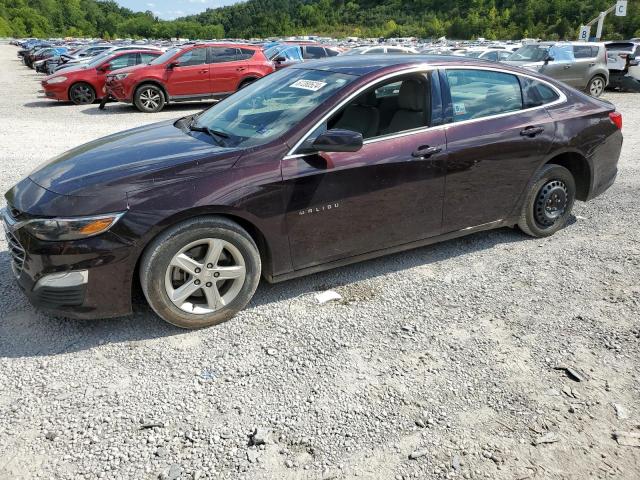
(190, 78)
(386, 194)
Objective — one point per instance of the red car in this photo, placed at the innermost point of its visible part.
(84, 84)
(191, 72)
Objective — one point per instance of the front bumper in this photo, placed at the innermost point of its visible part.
(117, 91)
(89, 278)
(57, 91)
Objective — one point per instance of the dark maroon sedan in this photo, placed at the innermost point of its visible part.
(313, 167)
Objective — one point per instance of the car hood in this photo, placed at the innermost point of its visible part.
(64, 72)
(135, 159)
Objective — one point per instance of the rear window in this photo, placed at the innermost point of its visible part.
(482, 93)
(245, 53)
(585, 51)
(622, 46)
(536, 93)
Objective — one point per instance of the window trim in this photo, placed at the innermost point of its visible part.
(447, 121)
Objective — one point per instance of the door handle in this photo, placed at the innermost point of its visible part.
(425, 151)
(531, 131)
(203, 71)
(240, 69)
(592, 64)
(567, 67)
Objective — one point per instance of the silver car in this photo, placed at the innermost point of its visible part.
(582, 65)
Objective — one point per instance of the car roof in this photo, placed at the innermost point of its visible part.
(365, 64)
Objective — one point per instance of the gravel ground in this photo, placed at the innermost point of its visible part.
(442, 362)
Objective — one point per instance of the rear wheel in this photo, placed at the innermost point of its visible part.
(82, 94)
(200, 272)
(149, 98)
(549, 201)
(596, 85)
(246, 82)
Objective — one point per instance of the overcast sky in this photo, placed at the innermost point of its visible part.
(170, 9)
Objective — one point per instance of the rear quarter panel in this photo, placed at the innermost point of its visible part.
(583, 126)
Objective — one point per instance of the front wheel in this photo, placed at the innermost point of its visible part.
(200, 272)
(82, 94)
(548, 203)
(149, 98)
(596, 85)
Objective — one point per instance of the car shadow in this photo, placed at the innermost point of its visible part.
(27, 332)
(46, 103)
(116, 108)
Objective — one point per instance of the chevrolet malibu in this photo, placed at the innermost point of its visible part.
(313, 167)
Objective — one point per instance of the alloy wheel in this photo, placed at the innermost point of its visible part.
(150, 98)
(205, 276)
(551, 203)
(596, 87)
(82, 94)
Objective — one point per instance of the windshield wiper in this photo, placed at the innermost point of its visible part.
(217, 135)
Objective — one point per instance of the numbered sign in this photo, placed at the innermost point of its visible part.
(584, 33)
(621, 8)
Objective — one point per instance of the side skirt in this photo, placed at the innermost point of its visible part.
(387, 251)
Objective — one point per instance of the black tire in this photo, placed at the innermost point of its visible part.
(149, 98)
(549, 201)
(82, 94)
(246, 82)
(596, 86)
(159, 254)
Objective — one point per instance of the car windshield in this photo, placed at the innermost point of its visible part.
(165, 56)
(271, 106)
(530, 53)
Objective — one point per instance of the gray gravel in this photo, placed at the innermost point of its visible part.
(444, 362)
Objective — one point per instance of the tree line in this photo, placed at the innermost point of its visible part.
(460, 19)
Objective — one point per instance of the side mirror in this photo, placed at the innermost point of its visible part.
(173, 65)
(105, 67)
(280, 59)
(337, 140)
(548, 59)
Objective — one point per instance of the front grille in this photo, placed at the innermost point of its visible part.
(16, 251)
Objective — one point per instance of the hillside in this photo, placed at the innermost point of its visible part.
(363, 18)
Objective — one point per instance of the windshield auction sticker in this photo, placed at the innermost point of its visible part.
(311, 85)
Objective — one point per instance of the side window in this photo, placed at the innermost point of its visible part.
(493, 56)
(314, 52)
(126, 60)
(398, 105)
(245, 54)
(395, 50)
(536, 93)
(331, 52)
(562, 53)
(584, 51)
(374, 51)
(223, 54)
(292, 54)
(147, 57)
(482, 93)
(195, 56)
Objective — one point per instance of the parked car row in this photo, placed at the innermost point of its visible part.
(150, 77)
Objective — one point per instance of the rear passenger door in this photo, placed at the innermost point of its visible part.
(496, 139)
(585, 60)
(226, 69)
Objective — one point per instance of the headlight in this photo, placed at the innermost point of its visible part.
(57, 80)
(120, 76)
(59, 229)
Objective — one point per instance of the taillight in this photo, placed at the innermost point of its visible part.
(616, 118)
